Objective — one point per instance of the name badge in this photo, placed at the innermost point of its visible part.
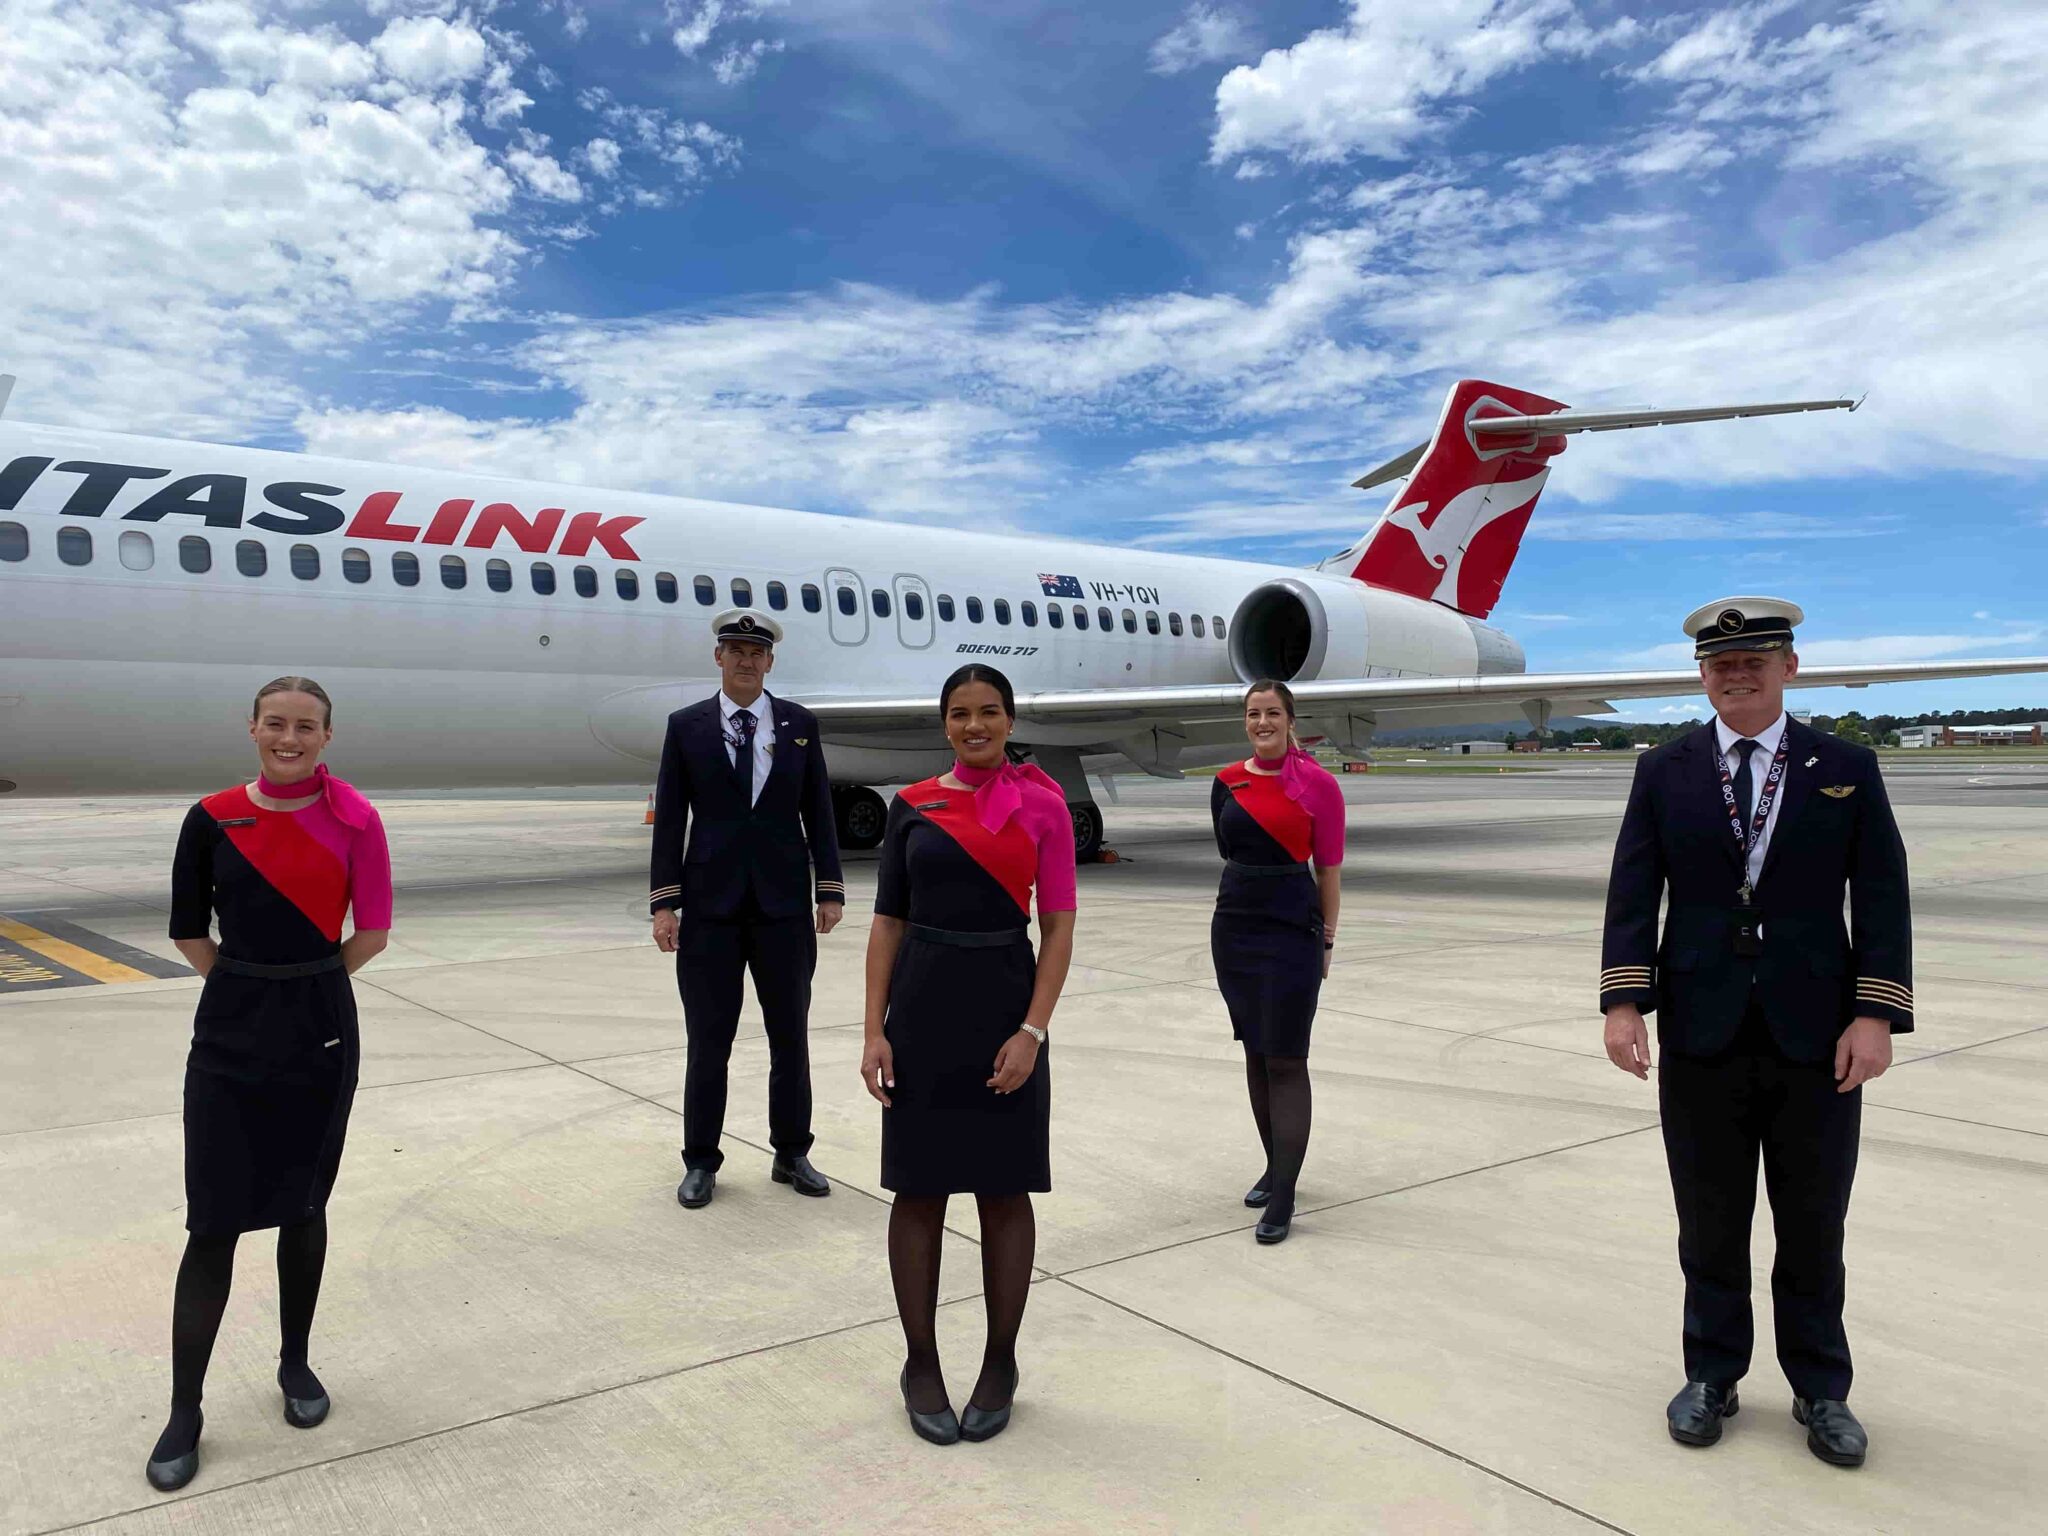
(239, 821)
(1749, 933)
(932, 805)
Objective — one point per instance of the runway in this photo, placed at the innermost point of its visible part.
(1473, 1328)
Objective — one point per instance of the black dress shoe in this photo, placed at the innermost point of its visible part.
(800, 1175)
(941, 1428)
(173, 1473)
(303, 1412)
(1259, 1193)
(1695, 1415)
(1832, 1431)
(986, 1423)
(695, 1190)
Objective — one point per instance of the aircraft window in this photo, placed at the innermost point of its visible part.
(813, 599)
(848, 600)
(1130, 622)
(405, 568)
(13, 541)
(742, 592)
(1055, 615)
(195, 554)
(137, 553)
(74, 545)
(1195, 623)
(945, 605)
(913, 605)
(355, 566)
(1218, 622)
(665, 587)
(251, 558)
(778, 596)
(1080, 617)
(974, 610)
(498, 575)
(1151, 621)
(1106, 618)
(454, 574)
(706, 590)
(1030, 615)
(586, 581)
(305, 561)
(881, 601)
(1002, 607)
(628, 583)
(543, 577)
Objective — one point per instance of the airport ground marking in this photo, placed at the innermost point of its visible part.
(71, 956)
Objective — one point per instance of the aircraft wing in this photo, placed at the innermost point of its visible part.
(1102, 714)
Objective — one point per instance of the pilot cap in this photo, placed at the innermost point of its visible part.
(746, 624)
(1742, 624)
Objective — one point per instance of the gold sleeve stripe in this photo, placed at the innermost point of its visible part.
(1885, 992)
(1628, 973)
(1878, 983)
(666, 890)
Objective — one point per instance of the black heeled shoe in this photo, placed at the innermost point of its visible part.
(303, 1412)
(1259, 1193)
(1275, 1222)
(941, 1428)
(986, 1423)
(170, 1475)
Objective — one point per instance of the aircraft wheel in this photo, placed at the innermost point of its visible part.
(863, 815)
(1087, 829)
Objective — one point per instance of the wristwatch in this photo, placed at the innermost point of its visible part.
(1034, 1032)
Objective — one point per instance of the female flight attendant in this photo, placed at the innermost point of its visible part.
(957, 1012)
(272, 1070)
(1280, 828)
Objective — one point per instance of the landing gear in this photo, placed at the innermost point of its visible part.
(1087, 830)
(862, 816)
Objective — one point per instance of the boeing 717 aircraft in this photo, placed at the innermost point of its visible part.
(478, 631)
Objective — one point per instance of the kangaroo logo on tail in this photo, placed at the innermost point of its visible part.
(1453, 529)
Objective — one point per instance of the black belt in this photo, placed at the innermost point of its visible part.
(277, 972)
(998, 939)
(1266, 871)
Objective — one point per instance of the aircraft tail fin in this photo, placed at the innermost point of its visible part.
(1455, 523)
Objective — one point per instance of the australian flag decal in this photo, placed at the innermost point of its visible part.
(1059, 586)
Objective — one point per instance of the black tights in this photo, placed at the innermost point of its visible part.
(1009, 1235)
(1282, 1106)
(205, 1276)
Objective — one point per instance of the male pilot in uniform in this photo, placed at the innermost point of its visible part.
(1771, 1015)
(743, 773)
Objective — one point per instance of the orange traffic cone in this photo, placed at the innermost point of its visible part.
(648, 820)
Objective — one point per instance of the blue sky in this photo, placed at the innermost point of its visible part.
(1168, 274)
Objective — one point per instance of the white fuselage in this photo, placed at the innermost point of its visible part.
(128, 667)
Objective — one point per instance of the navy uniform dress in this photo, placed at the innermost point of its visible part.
(1747, 1039)
(962, 984)
(271, 1074)
(1266, 937)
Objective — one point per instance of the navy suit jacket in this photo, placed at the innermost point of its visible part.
(712, 849)
(1835, 836)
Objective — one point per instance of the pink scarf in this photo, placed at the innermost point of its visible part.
(999, 791)
(1298, 770)
(343, 798)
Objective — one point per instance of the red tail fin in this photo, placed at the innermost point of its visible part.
(1451, 532)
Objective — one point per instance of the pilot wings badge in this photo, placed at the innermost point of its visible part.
(1838, 791)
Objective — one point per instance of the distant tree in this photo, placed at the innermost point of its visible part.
(1615, 739)
(1891, 738)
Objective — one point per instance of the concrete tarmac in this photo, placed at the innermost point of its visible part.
(1473, 1328)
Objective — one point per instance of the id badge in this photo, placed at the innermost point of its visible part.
(1749, 934)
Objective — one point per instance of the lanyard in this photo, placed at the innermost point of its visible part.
(1746, 840)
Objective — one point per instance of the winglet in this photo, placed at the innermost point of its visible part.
(6, 389)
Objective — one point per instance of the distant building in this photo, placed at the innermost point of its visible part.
(1475, 748)
(1529, 744)
(2024, 734)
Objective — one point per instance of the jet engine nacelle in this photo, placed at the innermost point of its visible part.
(1301, 628)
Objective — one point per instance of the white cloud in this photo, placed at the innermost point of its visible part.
(1867, 650)
(1205, 34)
(545, 175)
(1383, 80)
(431, 53)
(737, 65)
(694, 26)
(603, 157)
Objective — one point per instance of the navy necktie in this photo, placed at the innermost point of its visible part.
(743, 751)
(1745, 782)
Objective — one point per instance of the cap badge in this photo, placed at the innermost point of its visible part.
(1730, 621)
(747, 621)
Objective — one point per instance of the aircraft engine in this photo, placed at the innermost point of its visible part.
(1287, 630)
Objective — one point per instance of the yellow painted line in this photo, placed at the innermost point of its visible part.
(79, 959)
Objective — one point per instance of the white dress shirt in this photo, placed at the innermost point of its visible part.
(1759, 769)
(763, 711)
